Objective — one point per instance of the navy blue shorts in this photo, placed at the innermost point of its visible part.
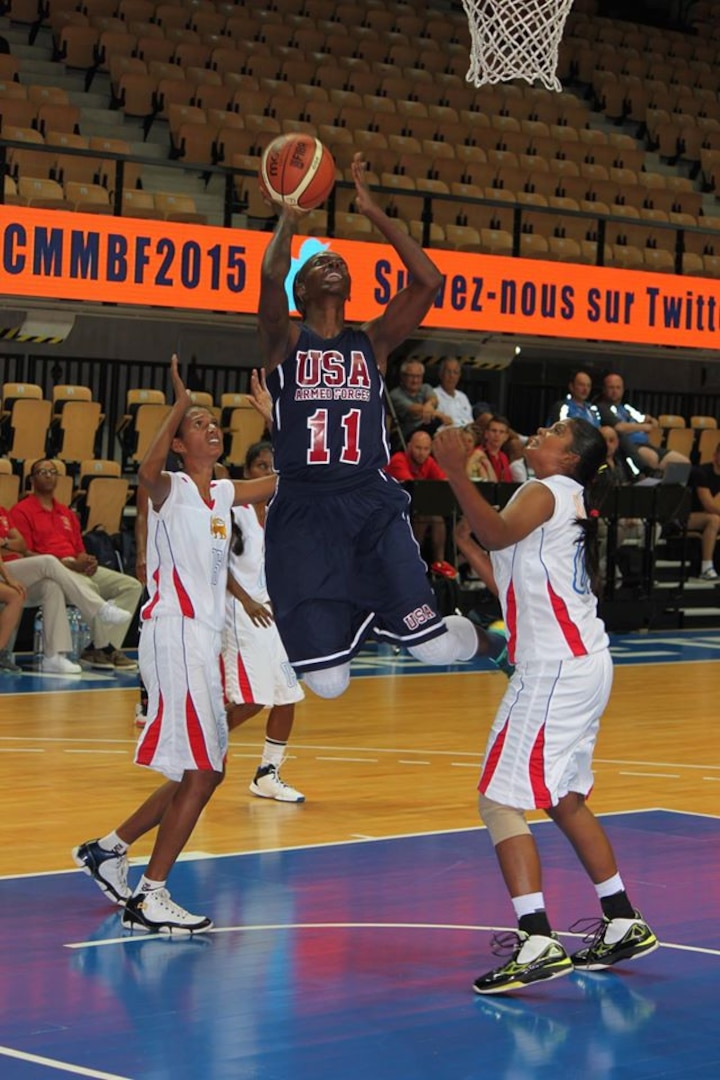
(342, 564)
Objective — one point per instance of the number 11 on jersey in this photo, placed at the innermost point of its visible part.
(319, 453)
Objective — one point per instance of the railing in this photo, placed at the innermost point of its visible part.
(598, 223)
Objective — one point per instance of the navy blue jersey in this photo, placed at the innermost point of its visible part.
(329, 410)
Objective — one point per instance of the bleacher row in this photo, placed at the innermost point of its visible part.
(67, 429)
(696, 436)
(388, 79)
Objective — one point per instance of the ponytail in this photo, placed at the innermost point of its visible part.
(591, 471)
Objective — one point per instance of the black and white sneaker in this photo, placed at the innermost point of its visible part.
(534, 958)
(108, 869)
(612, 940)
(269, 784)
(155, 913)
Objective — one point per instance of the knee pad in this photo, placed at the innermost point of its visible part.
(459, 643)
(330, 682)
(502, 822)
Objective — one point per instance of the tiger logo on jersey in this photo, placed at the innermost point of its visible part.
(218, 528)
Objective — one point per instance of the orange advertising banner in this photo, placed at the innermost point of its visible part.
(50, 254)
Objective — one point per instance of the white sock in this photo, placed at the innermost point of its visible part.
(613, 885)
(112, 842)
(273, 753)
(528, 904)
(146, 885)
(706, 564)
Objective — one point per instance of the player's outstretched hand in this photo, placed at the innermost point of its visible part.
(449, 450)
(178, 385)
(363, 199)
(259, 396)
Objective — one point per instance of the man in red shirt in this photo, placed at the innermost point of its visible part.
(415, 463)
(497, 434)
(50, 528)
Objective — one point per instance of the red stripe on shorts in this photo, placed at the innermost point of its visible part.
(148, 746)
(244, 682)
(540, 790)
(492, 759)
(196, 737)
(569, 629)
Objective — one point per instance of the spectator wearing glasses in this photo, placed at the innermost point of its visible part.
(49, 528)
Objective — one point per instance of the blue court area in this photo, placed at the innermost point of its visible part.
(357, 960)
(382, 659)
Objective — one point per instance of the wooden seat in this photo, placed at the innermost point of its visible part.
(145, 411)
(103, 503)
(246, 426)
(701, 423)
(680, 439)
(29, 423)
(709, 439)
(73, 435)
(9, 484)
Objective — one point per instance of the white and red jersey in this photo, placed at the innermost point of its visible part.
(248, 569)
(187, 552)
(549, 608)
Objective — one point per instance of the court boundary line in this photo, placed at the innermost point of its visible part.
(131, 938)
(54, 1063)
(191, 857)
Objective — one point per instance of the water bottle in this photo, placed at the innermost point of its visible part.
(84, 636)
(74, 620)
(38, 650)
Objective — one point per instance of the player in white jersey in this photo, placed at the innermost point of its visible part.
(543, 547)
(185, 737)
(256, 668)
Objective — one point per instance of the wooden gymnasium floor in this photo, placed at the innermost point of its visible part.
(349, 928)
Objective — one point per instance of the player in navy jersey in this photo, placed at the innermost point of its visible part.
(341, 560)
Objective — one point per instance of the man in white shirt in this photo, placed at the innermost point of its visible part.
(451, 401)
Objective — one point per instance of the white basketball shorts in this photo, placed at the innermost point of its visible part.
(255, 665)
(186, 727)
(542, 740)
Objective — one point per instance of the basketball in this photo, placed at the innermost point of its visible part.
(297, 170)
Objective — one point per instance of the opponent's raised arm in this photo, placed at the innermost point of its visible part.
(408, 308)
(532, 507)
(274, 325)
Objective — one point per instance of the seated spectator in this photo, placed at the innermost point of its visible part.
(496, 435)
(576, 403)
(705, 511)
(633, 426)
(478, 465)
(415, 403)
(451, 401)
(514, 450)
(46, 583)
(620, 466)
(415, 463)
(620, 470)
(49, 528)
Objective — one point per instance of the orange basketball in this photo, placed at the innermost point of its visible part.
(297, 170)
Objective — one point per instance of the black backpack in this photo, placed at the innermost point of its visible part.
(101, 544)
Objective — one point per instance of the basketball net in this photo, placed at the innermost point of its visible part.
(515, 39)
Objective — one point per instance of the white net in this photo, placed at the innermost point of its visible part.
(515, 39)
